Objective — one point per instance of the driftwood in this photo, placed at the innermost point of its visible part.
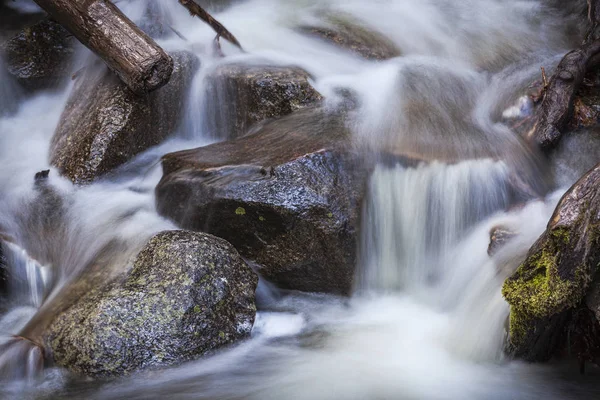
(557, 104)
(102, 27)
(199, 12)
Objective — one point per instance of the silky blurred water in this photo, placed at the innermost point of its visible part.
(427, 320)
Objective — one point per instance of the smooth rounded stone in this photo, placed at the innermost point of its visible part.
(187, 294)
(104, 124)
(344, 31)
(288, 197)
(40, 56)
(241, 96)
(556, 276)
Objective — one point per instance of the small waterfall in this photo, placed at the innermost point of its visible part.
(415, 216)
(29, 281)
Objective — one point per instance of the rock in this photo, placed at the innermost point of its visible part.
(186, 294)
(499, 236)
(344, 31)
(556, 275)
(287, 197)
(104, 124)
(40, 56)
(243, 95)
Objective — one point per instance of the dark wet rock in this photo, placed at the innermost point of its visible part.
(349, 34)
(499, 236)
(556, 275)
(287, 197)
(40, 56)
(187, 294)
(104, 124)
(243, 95)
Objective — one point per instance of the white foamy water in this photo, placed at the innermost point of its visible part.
(427, 320)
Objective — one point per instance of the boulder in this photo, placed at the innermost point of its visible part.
(344, 31)
(104, 124)
(40, 56)
(240, 96)
(287, 197)
(185, 295)
(556, 276)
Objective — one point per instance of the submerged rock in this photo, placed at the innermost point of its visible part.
(557, 273)
(287, 197)
(40, 55)
(499, 236)
(349, 34)
(104, 124)
(186, 294)
(243, 95)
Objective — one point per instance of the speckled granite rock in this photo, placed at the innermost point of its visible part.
(243, 95)
(104, 124)
(186, 294)
(39, 56)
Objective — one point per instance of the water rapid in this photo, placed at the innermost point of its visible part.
(427, 319)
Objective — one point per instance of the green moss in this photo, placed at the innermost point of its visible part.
(197, 309)
(330, 215)
(261, 218)
(537, 291)
(240, 211)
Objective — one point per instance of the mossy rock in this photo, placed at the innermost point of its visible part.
(556, 275)
(241, 96)
(104, 124)
(187, 294)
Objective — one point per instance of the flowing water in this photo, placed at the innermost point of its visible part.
(427, 320)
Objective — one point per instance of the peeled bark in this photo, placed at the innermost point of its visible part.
(138, 61)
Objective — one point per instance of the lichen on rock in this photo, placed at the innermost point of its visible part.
(185, 295)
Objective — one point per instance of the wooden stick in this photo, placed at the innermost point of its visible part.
(102, 27)
(199, 12)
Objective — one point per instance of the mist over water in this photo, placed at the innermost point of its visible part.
(427, 320)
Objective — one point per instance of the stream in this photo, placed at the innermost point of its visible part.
(427, 319)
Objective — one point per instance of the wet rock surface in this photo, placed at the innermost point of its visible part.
(349, 34)
(243, 95)
(104, 130)
(556, 275)
(187, 294)
(40, 56)
(499, 236)
(287, 197)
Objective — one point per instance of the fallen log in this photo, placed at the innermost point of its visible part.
(136, 59)
(557, 105)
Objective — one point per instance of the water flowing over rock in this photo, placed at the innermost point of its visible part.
(40, 56)
(104, 124)
(241, 96)
(499, 236)
(557, 273)
(347, 33)
(186, 294)
(287, 197)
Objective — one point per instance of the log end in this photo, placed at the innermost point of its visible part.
(158, 74)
